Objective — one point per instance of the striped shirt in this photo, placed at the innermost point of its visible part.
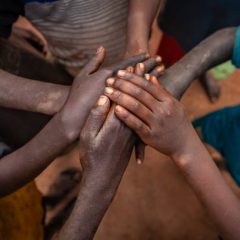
(75, 28)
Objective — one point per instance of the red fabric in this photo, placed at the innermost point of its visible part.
(170, 50)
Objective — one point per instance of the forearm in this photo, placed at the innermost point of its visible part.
(23, 165)
(212, 51)
(140, 18)
(30, 95)
(212, 190)
(94, 198)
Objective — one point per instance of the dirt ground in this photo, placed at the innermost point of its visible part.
(154, 201)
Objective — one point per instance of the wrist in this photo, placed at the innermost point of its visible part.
(70, 132)
(189, 149)
(98, 184)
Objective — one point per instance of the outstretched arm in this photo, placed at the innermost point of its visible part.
(161, 122)
(30, 95)
(140, 18)
(21, 166)
(42, 97)
(212, 51)
(104, 160)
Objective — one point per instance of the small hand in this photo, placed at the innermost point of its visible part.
(104, 148)
(155, 67)
(147, 108)
(87, 87)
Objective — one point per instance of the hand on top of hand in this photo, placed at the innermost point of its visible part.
(86, 88)
(105, 149)
(147, 108)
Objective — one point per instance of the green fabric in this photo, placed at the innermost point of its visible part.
(223, 71)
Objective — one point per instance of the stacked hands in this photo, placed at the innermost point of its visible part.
(142, 105)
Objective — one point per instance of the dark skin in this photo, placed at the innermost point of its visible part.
(161, 122)
(49, 98)
(175, 86)
(104, 160)
(30, 160)
(91, 152)
(176, 79)
(140, 19)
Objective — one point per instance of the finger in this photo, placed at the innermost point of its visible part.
(158, 71)
(156, 91)
(130, 103)
(132, 61)
(139, 151)
(96, 61)
(151, 63)
(133, 122)
(130, 69)
(154, 81)
(133, 90)
(139, 69)
(96, 118)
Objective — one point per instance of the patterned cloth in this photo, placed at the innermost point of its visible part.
(73, 28)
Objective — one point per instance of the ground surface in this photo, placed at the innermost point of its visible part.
(154, 201)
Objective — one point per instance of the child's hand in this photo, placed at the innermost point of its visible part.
(147, 108)
(104, 148)
(86, 89)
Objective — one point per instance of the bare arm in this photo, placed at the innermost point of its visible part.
(85, 218)
(21, 166)
(161, 122)
(47, 98)
(202, 174)
(140, 18)
(30, 95)
(212, 51)
(104, 160)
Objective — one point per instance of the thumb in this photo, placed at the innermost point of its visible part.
(94, 64)
(96, 119)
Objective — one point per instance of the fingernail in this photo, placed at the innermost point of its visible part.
(121, 73)
(161, 68)
(153, 78)
(141, 66)
(147, 76)
(158, 59)
(102, 100)
(118, 108)
(100, 49)
(110, 81)
(108, 90)
(139, 161)
(130, 69)
(147, 55)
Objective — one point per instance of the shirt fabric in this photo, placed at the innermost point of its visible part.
(189, 22)
(236, 49)
(221, 129)
(74, 29)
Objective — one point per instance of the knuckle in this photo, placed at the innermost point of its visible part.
(117, 96)
(118, 84)
(170, 102)
(145, 132)
(146, 83)
(135, 106)
(107, 72)
(137, 91)
(84, 137)
(139, 127)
